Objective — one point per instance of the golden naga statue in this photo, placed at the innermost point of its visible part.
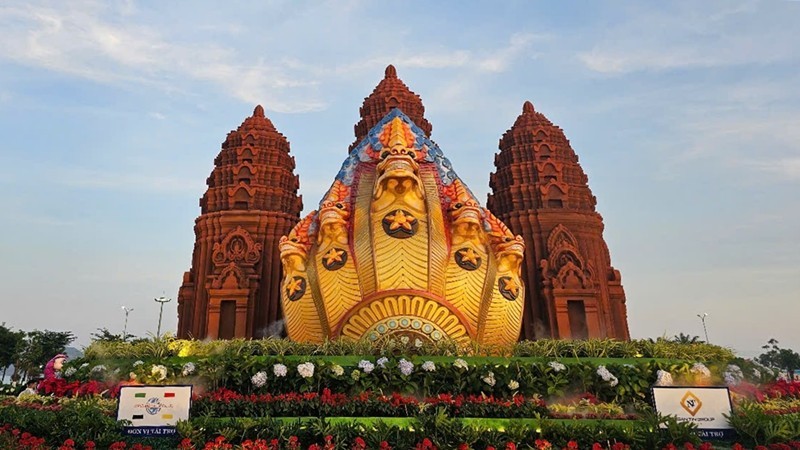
(401, 247)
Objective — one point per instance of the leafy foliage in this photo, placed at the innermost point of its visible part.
(779, 358)
(38, 347)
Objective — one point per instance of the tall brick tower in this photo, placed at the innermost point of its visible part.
(541, 192)
(390, 93)
(233, 287)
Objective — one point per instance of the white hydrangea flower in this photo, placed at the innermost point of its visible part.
(259, 379)
(280, 370)
(756, 372)
(355, 375)
(607, 376)
(381, 362)
(701, 369)
(513, 385)
(366, 366)
(138, 363)
(69, 371)
(460, 363)
(159, 372)
(557, 366)
(663, 378)
(337, 370)
(306, 370)
(733, 375)
(406, 367)
(489, 379)
(429, 366)
(98, 369)
(188, 369)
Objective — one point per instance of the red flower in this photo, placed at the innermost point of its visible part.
(542, 444)
(426, 444)
(511, 446)
(359, 444)
(385, 446)
(572, 445)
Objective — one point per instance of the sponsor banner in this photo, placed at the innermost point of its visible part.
(153, 410)
(702, 405)
(150, 431)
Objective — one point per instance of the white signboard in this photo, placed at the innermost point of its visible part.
(702, 405)
(153, 410)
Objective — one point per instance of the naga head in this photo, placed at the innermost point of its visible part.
(398, 169)
(295, 246)
(334, 212)
(466, 215)
(508, 249)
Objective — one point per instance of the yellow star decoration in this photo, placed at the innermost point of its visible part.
(400, 220)
(296, 284)
(469, 255)
(511, 286)
(333, 255)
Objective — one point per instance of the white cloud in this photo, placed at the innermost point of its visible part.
(499, 61)
(91, 41)
(680, 36)
(783, 168)
(99, 179)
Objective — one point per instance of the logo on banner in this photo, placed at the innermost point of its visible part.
(691, 403)
(153, 406)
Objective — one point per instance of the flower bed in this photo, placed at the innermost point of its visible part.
(398, 395)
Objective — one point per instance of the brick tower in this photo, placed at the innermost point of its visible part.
(390, 93)
(541, 192)
(233, 287)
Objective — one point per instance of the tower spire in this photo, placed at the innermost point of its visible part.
(390, 93)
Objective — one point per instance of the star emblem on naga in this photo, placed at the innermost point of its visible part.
(468, 259)
(400, 224)
(509, 288)
(334, 258)
(295, 288)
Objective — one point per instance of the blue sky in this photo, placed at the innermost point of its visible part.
(685, 116)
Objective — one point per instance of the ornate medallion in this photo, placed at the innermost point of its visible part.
(468, 259)
(334, 259)
(509, 288)
(296, 288)
(400, 224)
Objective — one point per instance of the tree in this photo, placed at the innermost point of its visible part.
(10, 346)
(681, 338)
(38, 347)
(103, 335)
(779, 358)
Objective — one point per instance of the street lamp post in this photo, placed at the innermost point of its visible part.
(125, 329)
(705, 330)
(161, 300)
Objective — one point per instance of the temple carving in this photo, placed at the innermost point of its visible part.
(399, 246)
(540, 190)
(232, 288)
